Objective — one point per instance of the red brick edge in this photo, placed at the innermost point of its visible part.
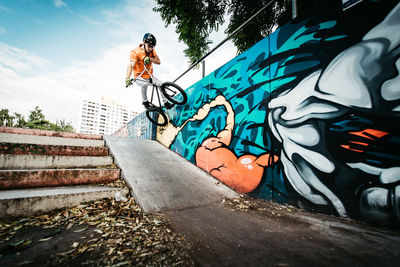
(55, 150)
(13, 130)
(13, 179)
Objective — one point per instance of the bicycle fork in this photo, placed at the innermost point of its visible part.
(158, 96)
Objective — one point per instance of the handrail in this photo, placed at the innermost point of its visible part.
(223, 41)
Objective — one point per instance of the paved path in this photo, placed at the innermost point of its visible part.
(160, 179)
(261, 234)
(271, 235)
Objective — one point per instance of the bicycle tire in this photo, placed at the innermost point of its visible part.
(157, 116)
(174, 93)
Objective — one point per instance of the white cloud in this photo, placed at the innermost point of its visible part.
(21, 60)
(59, 92)
(27, 80)
(59, 3)
(3, 8)
(2, 30)
(111, 14)
(39, 21)
(91, 21)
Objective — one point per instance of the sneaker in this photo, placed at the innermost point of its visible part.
(169, 105)
(146, 104)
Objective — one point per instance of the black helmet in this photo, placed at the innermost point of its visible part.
(150, 39)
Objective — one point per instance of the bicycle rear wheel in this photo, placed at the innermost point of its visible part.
(174, 93)
(157, 116)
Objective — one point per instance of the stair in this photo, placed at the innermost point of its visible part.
(45, 170)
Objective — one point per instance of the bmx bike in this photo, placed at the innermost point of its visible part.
(172, 92)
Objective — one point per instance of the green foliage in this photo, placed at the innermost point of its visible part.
(5, 118)
(36, 115)
(19, 121)
(262, 25)
(196, 19)
(36, 120)
(63, 126)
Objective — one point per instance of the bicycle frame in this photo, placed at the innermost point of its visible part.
(156, 113)
(149, 81)
(139, 77)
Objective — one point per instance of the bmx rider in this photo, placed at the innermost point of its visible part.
(141, 56)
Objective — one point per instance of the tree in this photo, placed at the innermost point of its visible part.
(5, 118)
(36, 120)
(36, 115)
(276, 14)
(63, 126)
(20, 121)
(196, 19)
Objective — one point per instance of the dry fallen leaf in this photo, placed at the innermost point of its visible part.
(80, 230)
(45, 239)
(121, 234)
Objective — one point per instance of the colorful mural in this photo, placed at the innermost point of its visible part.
(307, 116)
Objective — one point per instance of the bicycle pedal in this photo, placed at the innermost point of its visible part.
(153, 108)
(169, 105)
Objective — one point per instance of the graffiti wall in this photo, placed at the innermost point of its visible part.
(307, 116)
(138, 127)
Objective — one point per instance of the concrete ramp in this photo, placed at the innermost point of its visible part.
(162, 180)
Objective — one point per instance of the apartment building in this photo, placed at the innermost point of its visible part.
(103, 117)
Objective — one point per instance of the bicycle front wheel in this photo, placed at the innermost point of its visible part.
(157, 116)
(174, 93)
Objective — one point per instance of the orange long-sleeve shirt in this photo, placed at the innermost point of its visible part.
(138, 54)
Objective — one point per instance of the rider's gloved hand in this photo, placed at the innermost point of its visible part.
(146, 60)
(128, 82)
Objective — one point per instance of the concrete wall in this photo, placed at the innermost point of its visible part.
(307, 116)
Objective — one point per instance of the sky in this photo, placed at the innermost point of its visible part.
(55, 53)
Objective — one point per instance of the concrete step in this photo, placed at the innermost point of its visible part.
(12, 130)
(54, 162)
(56, 150)
(47, 140)
(25, 202)
(13, 179)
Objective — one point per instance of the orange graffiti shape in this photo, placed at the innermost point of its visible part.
(367, 133)
(242, 174)
(349, 148)
(359, 143)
